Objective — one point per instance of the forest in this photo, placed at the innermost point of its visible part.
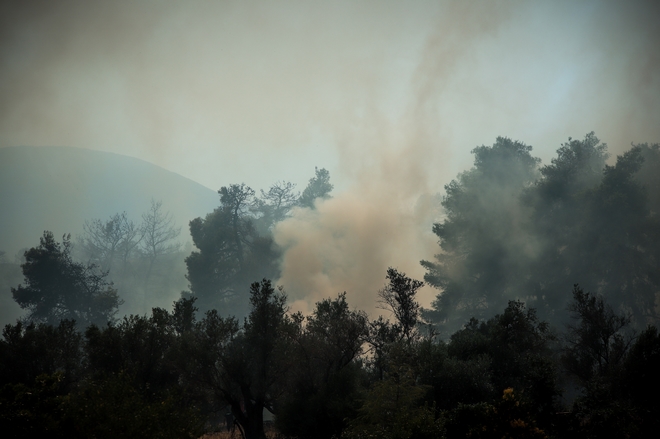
(544, 325)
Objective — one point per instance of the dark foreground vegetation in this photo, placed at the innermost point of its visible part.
(512, 347)
(333, 373)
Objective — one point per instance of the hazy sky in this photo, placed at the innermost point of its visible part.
(390, 97)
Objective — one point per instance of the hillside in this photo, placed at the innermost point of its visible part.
(59, 188)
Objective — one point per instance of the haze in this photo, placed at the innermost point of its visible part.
(390, 97)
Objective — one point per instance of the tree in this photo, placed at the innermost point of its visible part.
(622, 238)
(593, 224)
(597, 344)
(113, 407)
(236, 200)
(319, 187)
(139, 346)
(30, 350)
(325, 371)
(273, 206)
(518, 348)
(399, 297)
(102, 242)
(648, 175)
(641, 378)
(158, 235)
(394, 409)
(244, 366)
(515, 232)
(229, 253)
(483, 242)
(508, 417)
(598, 355)
(57, 288)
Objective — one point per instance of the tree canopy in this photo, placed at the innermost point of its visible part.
(514, 231)
(57, 288)
(230, 252)
(319, 187)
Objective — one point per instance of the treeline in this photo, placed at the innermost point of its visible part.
(334, 373)
(511, 347)
(147, 264)
(118, 260)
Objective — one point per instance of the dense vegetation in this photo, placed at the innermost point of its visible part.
(514, 231)
(513, 346)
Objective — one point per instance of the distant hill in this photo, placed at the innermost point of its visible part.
(58, 188)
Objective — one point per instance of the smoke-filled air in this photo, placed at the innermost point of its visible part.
(314, 206)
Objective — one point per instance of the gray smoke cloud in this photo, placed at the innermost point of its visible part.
(389, 96)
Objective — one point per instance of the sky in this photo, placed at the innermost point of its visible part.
(390, 97)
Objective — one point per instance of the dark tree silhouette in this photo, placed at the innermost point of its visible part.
(229, 253)
(483, 252)
(57, 288)
(597, 344)
(399, 297)
(273, 206)
(244, 366)
(319, 187)
(324, 375)
(513, 232)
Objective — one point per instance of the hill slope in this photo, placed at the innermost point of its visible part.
(58, 188)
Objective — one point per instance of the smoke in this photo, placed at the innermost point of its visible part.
(390, 97)
(384, 219)
(398, 166)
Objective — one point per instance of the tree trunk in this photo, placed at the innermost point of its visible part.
(252, 421)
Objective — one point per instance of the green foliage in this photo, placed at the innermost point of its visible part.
(599, 412)
(381, 338)
(160, 376)
(57, 288)
(618, 378)
(648, 176)
(122, 381)
(394, 408)
(595, 226)
(242, 366)
(641, 370)
(641, 380)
